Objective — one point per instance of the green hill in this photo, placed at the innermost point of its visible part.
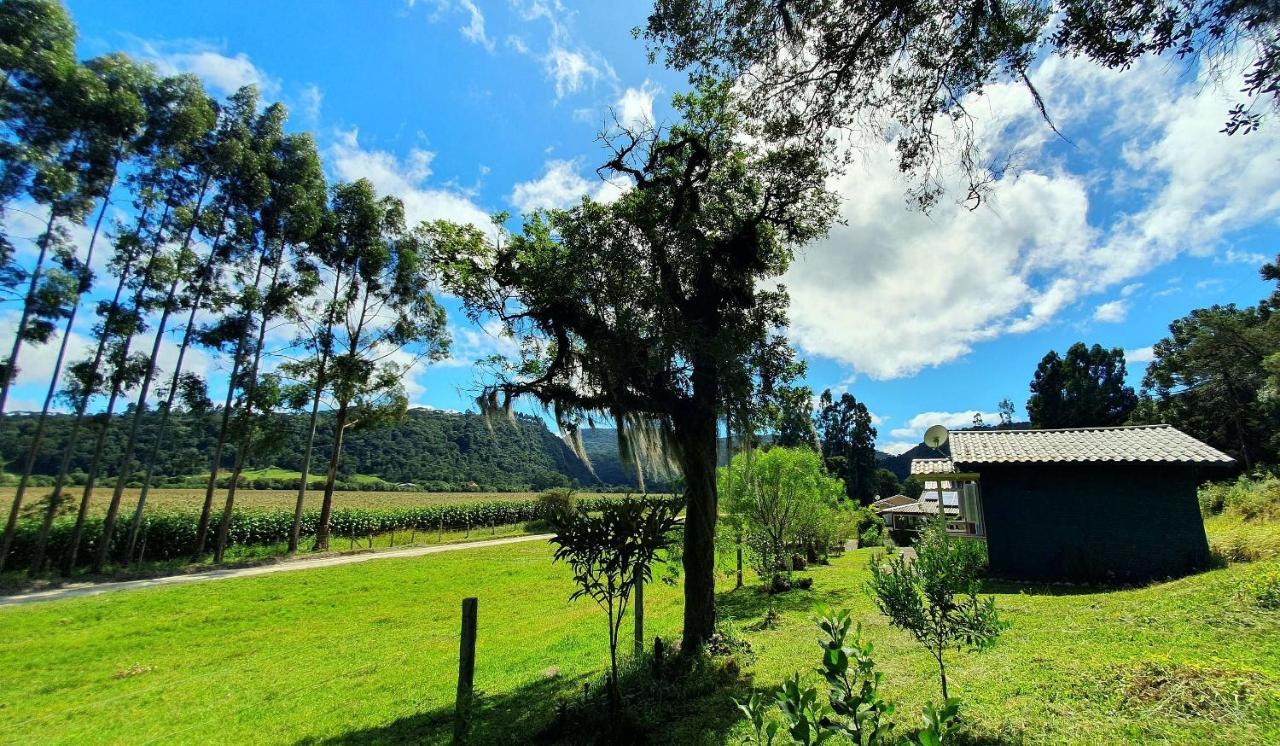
(438, 450)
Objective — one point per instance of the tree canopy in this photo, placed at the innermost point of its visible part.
(848, 442)
(655, 310)
(1084, 388)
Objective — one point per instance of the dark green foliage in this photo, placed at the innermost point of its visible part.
(1084, 388)
(913, 487)
(1215, 377)
(887, 484)
(848, 442)
(172, 534)
(442, 451)
(935, 596)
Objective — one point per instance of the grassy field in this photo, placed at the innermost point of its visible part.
(279, 499)
(368, 653)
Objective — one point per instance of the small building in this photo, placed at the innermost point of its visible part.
(892, 502)
(1106, 504)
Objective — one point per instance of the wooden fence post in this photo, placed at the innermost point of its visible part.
(466, 671)
(639, 613)
(739, 563)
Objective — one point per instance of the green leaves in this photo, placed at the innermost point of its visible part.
(934, 596)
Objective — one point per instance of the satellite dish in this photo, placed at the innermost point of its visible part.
(935, 436)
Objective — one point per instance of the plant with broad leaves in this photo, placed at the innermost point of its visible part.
(935, 596)
(851, 673)
(939, 723)
(610, 552)
(755, 708)
(806, 717)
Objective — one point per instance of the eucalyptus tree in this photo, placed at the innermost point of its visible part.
(187, 188)
(109, 107)
(288, 221)
(907, 70)
(385, 311)
(655, 308)
(37, 51)
(220, 163)
(172, 112)
(328, 265)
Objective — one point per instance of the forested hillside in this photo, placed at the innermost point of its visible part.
(437, 450)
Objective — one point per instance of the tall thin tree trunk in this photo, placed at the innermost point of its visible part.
(11, 365)
(696, 432)
(162, 428)
(206, 512)
(37, 557)
(116, 385)
(296, 530)
(127, 457)
(326, 507)
(251, 387)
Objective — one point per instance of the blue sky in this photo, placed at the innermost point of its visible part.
(464, 108)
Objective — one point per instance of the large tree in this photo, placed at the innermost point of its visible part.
(908, 69)
(652, 309)
(848, 440)
(1084, 388)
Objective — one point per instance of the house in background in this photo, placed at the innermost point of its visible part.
(1108, 504)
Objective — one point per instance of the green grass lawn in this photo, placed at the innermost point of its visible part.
(368, 653)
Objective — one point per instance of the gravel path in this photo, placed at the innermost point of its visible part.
(96, 589)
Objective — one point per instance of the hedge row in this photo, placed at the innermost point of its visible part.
(172, 534)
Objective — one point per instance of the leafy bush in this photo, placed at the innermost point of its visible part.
(1249, 498)
(935, 597)
(557, 504)
(855, 709)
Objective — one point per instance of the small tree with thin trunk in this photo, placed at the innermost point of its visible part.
(609, 553)
(935, 596)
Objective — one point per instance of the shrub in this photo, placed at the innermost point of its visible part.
(557, 504)
(935, 597)
(1249, 498)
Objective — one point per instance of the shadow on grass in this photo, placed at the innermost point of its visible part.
(750, 602)
(678, 704)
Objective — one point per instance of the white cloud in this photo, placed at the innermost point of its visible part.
(916, 426)
(312, 99)
(570, 70)
(471, 343)
(635, 108)
(1111, 312)
(404, 179)
(891, 291)
(897, 447)
(1140, 354)
(1130, 289)
(223, 73)
(561, 185)
(474, 30)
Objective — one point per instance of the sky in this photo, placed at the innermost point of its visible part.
(1138, 213)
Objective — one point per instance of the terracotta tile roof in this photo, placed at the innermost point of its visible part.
(1139, 443)
(931, 466)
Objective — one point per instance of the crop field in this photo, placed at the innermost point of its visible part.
(193, 498)
(368, 653)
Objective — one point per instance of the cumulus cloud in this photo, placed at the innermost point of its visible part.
(1111, 312)
(891, 291)
(1140, 355)
(569, 70)
(561, 185)
(471, 343)
(570, 66)
(634, 108)
(221, 72)
(404, 178)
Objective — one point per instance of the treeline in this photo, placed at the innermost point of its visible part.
(438, 451)
(218, 231)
